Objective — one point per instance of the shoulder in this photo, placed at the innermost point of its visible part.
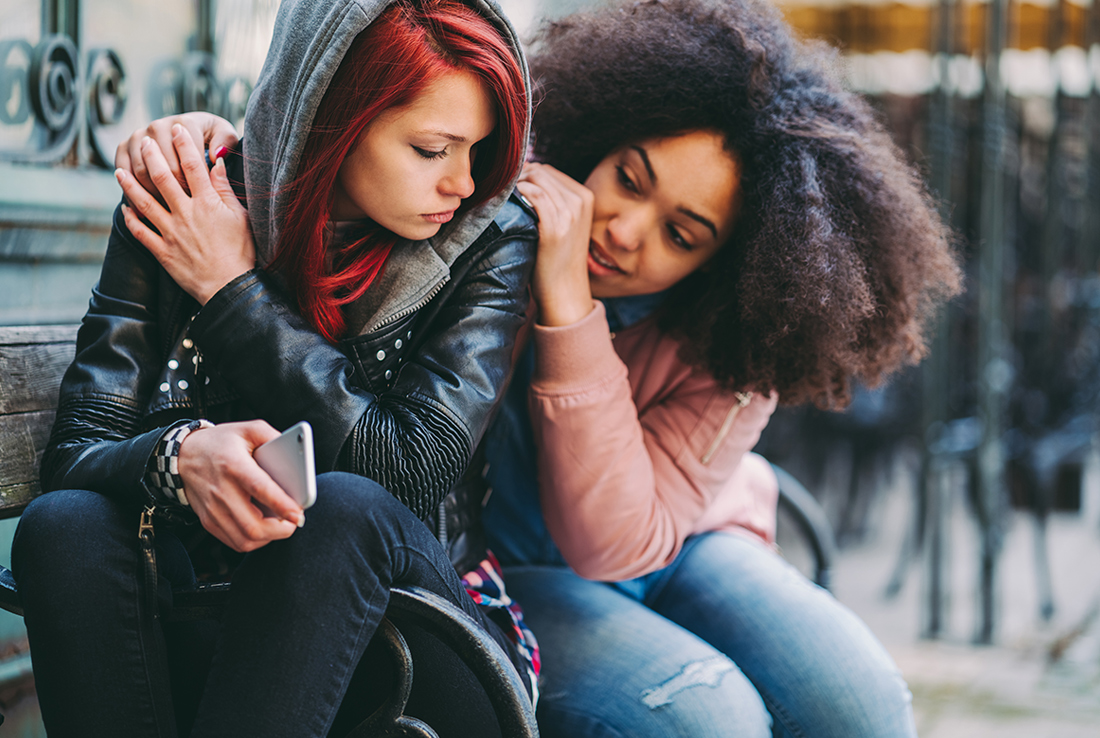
(661, 377)
(509, 241)
(516, 217)
(657, 355)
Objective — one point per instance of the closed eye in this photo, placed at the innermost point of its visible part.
(678, 239)
(625, 180)
(429, 154)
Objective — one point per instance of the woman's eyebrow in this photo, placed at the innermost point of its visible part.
(695, 216)
(645, 160)
(686, 211)
(441, 133)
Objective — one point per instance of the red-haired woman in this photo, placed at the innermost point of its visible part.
(373, 287)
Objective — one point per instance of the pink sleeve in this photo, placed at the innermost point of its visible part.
(620, 492)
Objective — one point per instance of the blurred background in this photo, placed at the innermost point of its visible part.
(964, 496)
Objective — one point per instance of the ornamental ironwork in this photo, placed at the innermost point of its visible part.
(49, 82)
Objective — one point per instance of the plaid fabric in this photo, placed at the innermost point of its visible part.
(486, 585)
(162, 474)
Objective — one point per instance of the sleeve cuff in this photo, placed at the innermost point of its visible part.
(575, 356)
(162, 472)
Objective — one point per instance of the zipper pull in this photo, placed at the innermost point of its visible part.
(743, 398)
(145, 529)
(201, 380)
(149, 562)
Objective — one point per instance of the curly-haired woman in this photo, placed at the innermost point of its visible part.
(751, 236)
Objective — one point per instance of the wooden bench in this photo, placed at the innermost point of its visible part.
(32, 362)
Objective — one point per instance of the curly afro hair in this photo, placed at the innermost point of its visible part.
(838, 257)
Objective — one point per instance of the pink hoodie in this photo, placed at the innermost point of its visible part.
(637, 450)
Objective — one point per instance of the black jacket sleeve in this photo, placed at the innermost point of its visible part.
(99, 441)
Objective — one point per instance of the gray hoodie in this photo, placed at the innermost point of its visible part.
(309, 42)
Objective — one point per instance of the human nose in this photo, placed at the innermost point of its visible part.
(627, 230)
(459, 180)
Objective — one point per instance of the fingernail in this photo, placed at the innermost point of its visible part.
(146, 142)
(222, 151)
(119, 174)
(177, 129)
(301, 521)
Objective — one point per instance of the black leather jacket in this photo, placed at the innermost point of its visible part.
(404, 404)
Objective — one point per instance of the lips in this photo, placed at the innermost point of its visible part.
(440, 217)
(597, 255)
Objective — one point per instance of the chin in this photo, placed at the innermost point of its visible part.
(418, 233)
(601, 292)
(601, 289)
(606, 292)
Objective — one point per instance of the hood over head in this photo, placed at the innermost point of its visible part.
(309, 42)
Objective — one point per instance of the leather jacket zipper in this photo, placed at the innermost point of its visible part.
(200, 384)
(412, 309)
(147, 537)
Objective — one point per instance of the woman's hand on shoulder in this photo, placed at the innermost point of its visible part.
(217, 134)
(564, 206)
(223, 482)
(202, 237)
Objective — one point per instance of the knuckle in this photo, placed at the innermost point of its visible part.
(160, 176)
(251, 530)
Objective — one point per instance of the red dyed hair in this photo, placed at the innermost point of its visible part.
(431, 38)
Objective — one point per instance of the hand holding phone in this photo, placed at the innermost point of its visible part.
(288, 459)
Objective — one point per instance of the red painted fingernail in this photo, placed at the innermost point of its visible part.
(222, 151)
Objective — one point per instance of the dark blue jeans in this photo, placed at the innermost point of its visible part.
(301, 614)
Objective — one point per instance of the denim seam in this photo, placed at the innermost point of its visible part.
(147, 651)
(591, 717)
(654, 594)
(779, 712)
(353, 663)
(419, 554)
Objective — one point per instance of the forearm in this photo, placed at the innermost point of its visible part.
(98, 441)
(113, 467)
(623, 486)
(597, 472)
(250, 336)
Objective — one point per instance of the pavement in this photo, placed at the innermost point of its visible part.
(1039, 678)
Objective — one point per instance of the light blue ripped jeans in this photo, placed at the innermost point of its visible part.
(729, 640)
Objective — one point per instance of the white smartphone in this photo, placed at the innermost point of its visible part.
(289, 461)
